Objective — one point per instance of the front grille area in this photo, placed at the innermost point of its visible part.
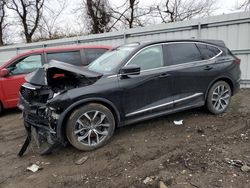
(32, 95)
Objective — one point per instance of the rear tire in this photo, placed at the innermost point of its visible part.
(219, 97)
(90, 127)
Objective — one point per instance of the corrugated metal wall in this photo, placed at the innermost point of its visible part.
(233, 29)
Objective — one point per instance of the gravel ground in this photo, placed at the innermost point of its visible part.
(196, 154)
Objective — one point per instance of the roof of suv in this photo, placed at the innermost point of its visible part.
(212, 42)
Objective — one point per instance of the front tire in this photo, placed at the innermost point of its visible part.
(90, 127)
(219, 97)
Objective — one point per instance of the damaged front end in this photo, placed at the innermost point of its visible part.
(43, 98)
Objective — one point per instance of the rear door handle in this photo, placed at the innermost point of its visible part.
(164, 75)
(208, 67)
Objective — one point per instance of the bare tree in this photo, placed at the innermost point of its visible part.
(3, 23)
(49, 24)
(131, 16)
(29, 13)
(245, 5)
(179, 10)
(98, 15)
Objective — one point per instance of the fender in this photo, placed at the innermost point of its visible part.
(63, 116)
(222, 77)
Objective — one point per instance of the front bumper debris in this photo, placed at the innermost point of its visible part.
(26, 142)
(40, 126)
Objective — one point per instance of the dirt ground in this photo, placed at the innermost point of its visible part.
(190, 155)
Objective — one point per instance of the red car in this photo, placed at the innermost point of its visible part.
(12, 72)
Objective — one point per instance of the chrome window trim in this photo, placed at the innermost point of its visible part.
(178, 43)
(172, 66)
(164, 104)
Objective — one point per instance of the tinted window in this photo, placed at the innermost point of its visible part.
(92, 54)
(183, 53)
(149, 58)
(67, 57)
(25, 65)
(208, 51)
(110, 60)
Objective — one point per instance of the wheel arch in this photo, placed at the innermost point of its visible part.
(61, 124)
(224, 78)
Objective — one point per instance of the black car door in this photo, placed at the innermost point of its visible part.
(191, 73)
(150, 91)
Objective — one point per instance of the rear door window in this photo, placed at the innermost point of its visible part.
(208, 51)
(92, 54)
(182, 53)
(72, 57)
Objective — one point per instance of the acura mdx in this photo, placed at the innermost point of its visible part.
(63, 103)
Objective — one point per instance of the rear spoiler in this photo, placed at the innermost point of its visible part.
(216, 42)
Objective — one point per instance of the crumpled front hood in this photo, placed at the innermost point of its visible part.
(40, 76)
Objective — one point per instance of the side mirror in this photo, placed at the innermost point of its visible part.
(4, 72)
(130, 70)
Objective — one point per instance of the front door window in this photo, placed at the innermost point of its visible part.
(25, 65)
(149, 58)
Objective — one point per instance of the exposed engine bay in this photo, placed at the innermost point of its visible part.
(42, 88)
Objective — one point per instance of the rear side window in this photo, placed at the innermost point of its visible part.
(182, 53)
(208, 51)
(93, 54)
(73, 57)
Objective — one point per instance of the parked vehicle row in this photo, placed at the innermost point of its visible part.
(63, 103)
(12, 73)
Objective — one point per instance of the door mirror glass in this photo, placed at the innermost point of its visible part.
(130, 70)
(4, 73)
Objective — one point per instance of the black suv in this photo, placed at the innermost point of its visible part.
(63, 103)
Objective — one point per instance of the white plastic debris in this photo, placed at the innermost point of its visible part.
(81, 160)
(148, 180)
(34, 168)
(180, 122)
(245, 168)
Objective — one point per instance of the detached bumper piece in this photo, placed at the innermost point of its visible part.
(39, 125)
(26, 142)
(40, 138)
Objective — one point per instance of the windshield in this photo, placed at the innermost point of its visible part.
(110, 60)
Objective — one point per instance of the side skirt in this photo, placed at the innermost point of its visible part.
(158, 114)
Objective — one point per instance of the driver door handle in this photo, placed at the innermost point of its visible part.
(208, 67)
(164, 75)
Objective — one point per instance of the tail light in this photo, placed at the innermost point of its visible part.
(237, 61)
